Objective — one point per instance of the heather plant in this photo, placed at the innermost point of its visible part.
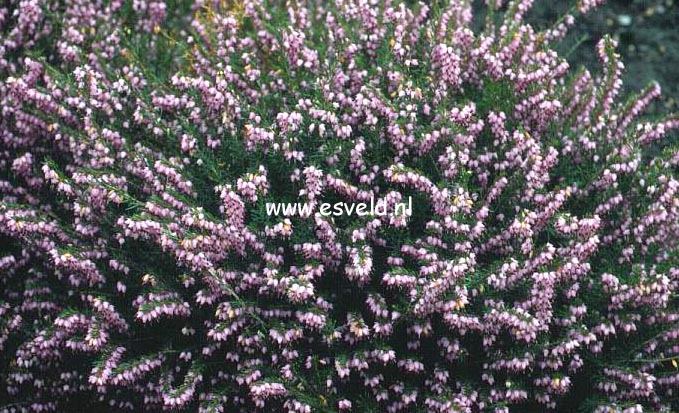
(141, 142)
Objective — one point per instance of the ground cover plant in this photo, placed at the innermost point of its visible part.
(141, 141)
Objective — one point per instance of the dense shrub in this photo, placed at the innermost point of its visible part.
(142, 140)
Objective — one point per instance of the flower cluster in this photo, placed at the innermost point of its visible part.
(140, 142)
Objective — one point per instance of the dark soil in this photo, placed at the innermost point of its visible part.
(647, 32)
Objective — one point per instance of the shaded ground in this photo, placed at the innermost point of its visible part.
(648, 36)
